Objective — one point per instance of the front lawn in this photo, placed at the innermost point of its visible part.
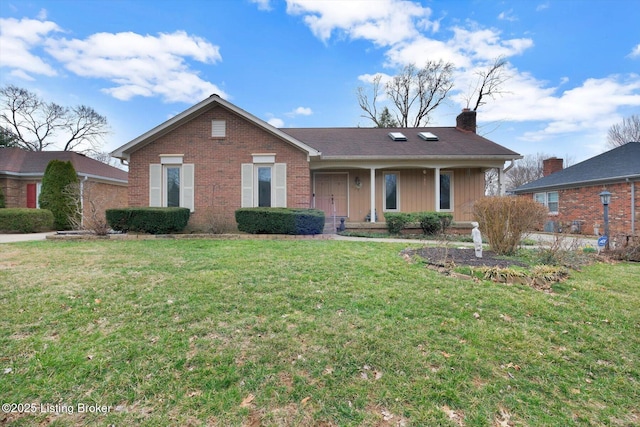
(305, 333)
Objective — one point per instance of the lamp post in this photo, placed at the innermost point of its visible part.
(605, 198)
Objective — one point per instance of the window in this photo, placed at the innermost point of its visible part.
(446, 191)
(550, 200)
(264, 184)
(171, 183)
(391, 201)
(172, 186)
(218, 129)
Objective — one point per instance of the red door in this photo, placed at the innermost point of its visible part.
(31, 196)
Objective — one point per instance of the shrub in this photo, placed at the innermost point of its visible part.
(148, 220)
(280, 221)
(396, 221)
(57, 177)
(23, 220)
(505, 220)
(429, 222)
(2, 205)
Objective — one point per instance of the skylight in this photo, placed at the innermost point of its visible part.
(428, 136)
(397, 136)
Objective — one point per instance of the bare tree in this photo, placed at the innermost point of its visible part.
(622, 133)
(38, 125)
(530, 168)
(488, 83)
(414, 93)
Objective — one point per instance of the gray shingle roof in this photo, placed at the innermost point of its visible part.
(376, 143)
(614, 165)
(34, 163)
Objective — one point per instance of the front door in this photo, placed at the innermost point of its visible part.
(331, 193)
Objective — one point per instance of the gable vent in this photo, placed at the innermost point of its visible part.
(397, 136)
(428, 136)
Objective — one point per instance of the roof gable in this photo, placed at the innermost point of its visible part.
(124, 151)
(614, 165)
(15, 161)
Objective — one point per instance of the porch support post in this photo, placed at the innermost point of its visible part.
(437, 192)
(373, 194)
(501, 190)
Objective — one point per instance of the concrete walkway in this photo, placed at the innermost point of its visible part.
(543, 239)
(11, 238)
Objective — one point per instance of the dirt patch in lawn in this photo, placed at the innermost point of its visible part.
(441, 257)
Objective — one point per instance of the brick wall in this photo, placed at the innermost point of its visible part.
(218, 166)
(100, 196)
(583, 204)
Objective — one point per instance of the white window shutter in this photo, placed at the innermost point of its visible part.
(155, 185)
(280, 185)
(247, 185)
(188, 185)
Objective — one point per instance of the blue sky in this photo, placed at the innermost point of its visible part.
(573, 66)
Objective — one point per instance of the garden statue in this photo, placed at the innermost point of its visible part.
(477, 239)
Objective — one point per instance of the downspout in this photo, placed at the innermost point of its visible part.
(633, 208)
(501, 173)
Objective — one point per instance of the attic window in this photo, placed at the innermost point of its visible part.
(397, 136)
(218, 129)
(428, 136)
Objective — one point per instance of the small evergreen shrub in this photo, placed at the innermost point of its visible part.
(148, 220)
(23, 220)
(430, 222)
(397, 221)
(2, 205)
(57, 177)
(294, 221)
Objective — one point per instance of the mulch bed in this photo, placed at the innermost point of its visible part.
(438, 256)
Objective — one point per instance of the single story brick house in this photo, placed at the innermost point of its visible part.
(21, 175)
(571, 194)
(215, 158)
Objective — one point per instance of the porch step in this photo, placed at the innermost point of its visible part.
(330, 227)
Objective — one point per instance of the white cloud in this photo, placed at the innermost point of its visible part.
(276, 122)
(141, 65)
(591, 107)
(18, 39)
(300, 111)
(542, 6)
(507, 16)
(262, 4)
(384, 22)
(635, 52)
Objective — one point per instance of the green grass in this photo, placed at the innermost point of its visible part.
(302, 333)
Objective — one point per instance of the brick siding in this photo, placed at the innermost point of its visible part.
(217, 163)
(583, 204)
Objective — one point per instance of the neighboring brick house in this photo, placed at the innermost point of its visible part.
(215, 158)
(21, 175)
(571, 194)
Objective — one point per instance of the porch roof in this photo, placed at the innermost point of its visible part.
(375, 143)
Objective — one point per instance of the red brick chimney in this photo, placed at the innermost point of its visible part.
(551, 165)
(466, 121)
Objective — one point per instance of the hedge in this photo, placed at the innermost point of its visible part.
(280, 220)
(148, 220)
(430, 222)
(24, 220)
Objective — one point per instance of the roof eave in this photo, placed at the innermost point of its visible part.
(573, 184)
(432, 157)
